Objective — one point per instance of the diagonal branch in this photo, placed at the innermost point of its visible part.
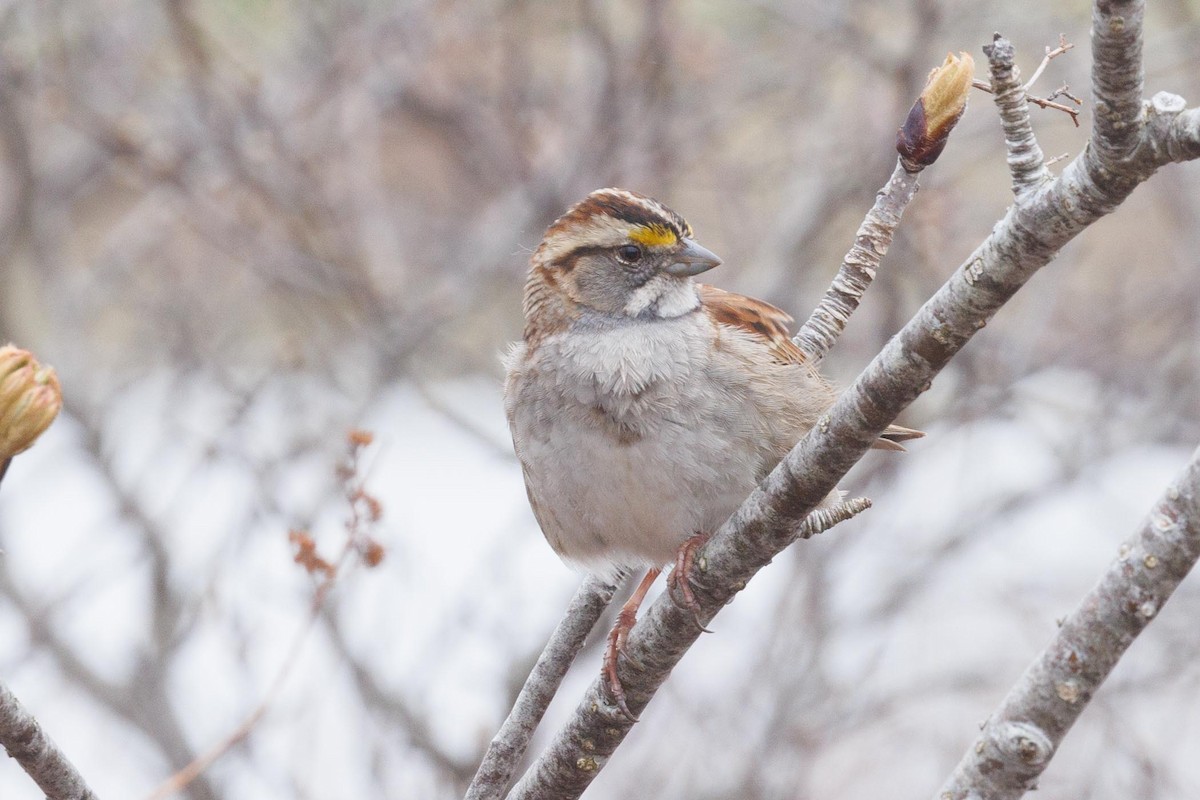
(826, 323)
(580, 750)
(24, 740)
(508, 746)
(1023, 734)
(1029, 235)
(919, 142)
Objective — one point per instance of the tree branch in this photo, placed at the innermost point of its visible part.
(1026, 162)
(1175, 132)
(580, 749)
(1117, 76)
(1023, 734)
(1063, 46)
(508, 746)
(827, 321)
(1030, 234)
(25, 741)
(919, 142)
(1044, 102)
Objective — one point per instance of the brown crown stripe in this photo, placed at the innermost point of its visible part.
(602, 203)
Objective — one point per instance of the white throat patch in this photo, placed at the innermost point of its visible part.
(674, 297)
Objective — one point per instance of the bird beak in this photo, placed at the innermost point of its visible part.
(692, 260)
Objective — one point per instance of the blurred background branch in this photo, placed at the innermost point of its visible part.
(238, 229)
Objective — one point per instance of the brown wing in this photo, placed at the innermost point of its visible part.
(772, 325)
(753, 316)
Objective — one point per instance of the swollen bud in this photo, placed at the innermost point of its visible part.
(30, 399)
(935, 113)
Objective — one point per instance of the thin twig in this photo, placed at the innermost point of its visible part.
(827, 321)
(1041, 102)
(1064, 91)
(1048, 101)
(364, 511)
(919, 143)
(180, 780)
(1063, 46)
(508, 746)
(822, 519)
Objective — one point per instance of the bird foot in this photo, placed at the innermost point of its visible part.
(616, 647)
(678, 582)
(616, 644)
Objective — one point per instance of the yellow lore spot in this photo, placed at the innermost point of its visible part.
(653, 235)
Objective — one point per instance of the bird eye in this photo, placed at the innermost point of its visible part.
(629, 254)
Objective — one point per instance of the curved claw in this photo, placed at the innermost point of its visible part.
(678, 580)
(615, 648)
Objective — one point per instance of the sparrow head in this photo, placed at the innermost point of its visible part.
(618, 253)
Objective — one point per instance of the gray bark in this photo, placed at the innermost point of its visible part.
(1131, 140)
(508, 746)
(1022, 735)
(25, 741)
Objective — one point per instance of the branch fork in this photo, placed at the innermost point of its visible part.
(1128, 145)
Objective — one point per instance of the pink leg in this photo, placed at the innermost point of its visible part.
(678, 581)
(618, 636)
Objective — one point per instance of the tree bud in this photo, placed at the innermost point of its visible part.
(30, 399)
(936, 111)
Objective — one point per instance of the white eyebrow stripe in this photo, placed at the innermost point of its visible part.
(599, 231)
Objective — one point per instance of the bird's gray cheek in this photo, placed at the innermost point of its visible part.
(603, 289)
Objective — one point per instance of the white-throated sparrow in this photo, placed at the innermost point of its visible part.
(644, 406)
